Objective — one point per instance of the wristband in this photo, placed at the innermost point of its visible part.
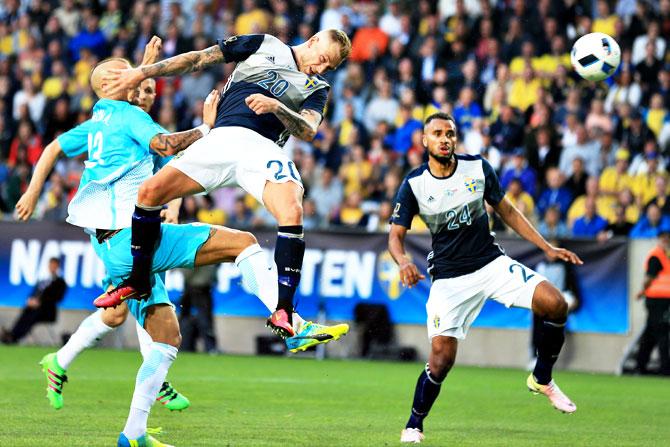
(204, 129)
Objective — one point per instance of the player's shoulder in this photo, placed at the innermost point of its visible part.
(416, 172)
(467, 157)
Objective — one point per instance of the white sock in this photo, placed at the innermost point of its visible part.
(89, 332)
(150, 378)
(145, 340)
(261, 279)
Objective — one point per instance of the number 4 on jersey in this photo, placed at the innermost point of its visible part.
(455, 219)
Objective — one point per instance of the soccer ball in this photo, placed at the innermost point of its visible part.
(595, 56)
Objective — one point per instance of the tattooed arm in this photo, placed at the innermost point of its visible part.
(117, 80)
(184, 63)
(166, 144)
(303, 125)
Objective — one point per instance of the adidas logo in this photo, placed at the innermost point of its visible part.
(431, 199)
(270, 58)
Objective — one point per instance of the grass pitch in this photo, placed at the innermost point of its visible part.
(263, 401)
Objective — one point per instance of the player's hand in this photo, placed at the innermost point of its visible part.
(409, 274)
(152, 51)
(170, 216)
(563, 254)
(26, 205)
(120, 80)
(261, 104)
(209, 109)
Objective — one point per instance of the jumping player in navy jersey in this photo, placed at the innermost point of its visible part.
(275, 91)
(467, 266)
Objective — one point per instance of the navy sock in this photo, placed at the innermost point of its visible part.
(549, 344)
(426, 391)
(146, 228)
(289, 252)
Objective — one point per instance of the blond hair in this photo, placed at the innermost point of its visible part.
(340, 37)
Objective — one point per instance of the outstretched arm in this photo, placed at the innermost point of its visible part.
(518, 222)
(26, 204)
(119, 80)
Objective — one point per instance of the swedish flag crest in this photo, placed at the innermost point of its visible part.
(471, 184)
(436, 322)
(310, 83)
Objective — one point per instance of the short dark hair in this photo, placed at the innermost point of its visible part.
(439, 116)
(55, 259)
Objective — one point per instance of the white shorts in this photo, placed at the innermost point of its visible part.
(236, 156)
(454, 303)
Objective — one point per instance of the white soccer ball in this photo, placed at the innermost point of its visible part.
(595, 56)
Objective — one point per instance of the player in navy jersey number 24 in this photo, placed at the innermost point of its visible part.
(467, 266)
(275, 91)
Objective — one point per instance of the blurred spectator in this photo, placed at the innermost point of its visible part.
(356, 172)
(590, 224)
(552, 226)
(615, 179)
(252, 20)
(620, 226)
(520, 199)
(195, 320)
(369, 41)
(68, 16)
(402, 140)
(208, 214)
(584, 148)
(382, 107)
(656, 114)
(648, 226)
(576, 183)
(662, 200)
(327, 194)
(644, 183)
(91, 38)
(554, 194)
(506, 134)
(525, 89)
(466, 110)
(597, 120)
(351, 214)
(311, 219)
(636, 134)
(241, 216)
(641, 42)
(41, 306)
(604, 204)
(520, 170)
(625, 91)
(29, 96)
(26, 141)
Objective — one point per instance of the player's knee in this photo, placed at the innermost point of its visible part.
(150, 193)
(290, 214)
(560, 308)
(556, 306)
(247, 239)
(114, 317)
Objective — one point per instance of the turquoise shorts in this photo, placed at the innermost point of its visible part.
(177, 248)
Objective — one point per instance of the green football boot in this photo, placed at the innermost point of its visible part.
(56, 377)
(172, 399)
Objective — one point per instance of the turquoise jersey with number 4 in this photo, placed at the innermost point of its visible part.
(117, 139)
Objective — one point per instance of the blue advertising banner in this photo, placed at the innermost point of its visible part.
(340, 270)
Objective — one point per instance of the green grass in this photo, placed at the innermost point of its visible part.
(263, 401)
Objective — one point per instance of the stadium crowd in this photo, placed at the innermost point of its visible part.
(578, 158)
